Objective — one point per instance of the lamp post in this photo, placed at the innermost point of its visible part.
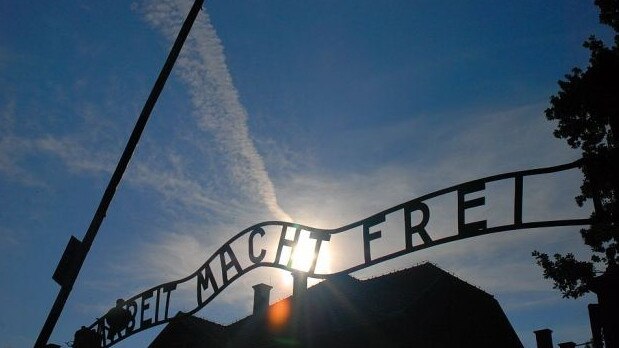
(73, 258)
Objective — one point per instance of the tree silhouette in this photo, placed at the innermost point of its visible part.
(587, 110)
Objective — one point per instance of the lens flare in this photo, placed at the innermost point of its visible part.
(279, 314)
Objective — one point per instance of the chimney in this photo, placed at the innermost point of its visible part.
(261, 298)
(543, 338)
(567, 345)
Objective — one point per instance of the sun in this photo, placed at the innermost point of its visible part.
(303, 258)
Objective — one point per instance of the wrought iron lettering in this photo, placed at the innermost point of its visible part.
(152, 307)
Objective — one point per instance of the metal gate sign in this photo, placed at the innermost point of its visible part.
(247, 251)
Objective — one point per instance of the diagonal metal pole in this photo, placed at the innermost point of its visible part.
(97, 219)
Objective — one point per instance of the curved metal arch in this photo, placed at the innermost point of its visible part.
(204, 275)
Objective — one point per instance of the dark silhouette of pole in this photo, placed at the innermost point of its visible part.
(97, 220)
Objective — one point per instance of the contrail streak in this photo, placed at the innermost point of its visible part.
(202, 66)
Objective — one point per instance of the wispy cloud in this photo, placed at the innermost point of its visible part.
(75, 156)
(93, 147)
(203, 68)
(12, 147)
(179, 187)
(8, 239)
(487, 144)
(325, 200)
(77, 151)
(482, 145)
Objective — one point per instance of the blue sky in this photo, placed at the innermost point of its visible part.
(321, 112)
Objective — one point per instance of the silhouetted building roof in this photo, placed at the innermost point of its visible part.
(189, 331)
(422, 306)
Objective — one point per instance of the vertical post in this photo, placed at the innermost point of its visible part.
(298, 319)
(97, 220)
(518, 200)
(299, 285)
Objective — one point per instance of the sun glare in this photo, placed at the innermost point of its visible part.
(303, 258)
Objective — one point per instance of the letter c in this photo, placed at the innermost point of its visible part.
(252, 257)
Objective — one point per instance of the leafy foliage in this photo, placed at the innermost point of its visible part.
(587, 110)
(570, 275)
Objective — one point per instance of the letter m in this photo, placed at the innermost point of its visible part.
(205, 276)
